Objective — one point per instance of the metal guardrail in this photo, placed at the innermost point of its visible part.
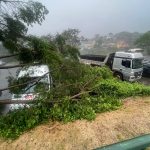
(138, 143)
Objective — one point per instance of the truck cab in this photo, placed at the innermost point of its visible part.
(37, 76)
(127, 65)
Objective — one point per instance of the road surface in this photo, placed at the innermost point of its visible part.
(145, 81)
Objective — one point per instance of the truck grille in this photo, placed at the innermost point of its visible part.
(137, 74)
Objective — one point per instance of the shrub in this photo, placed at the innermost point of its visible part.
(121, 89)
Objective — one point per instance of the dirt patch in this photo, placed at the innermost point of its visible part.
(133, 119)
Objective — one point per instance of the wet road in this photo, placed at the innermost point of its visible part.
(145, 81)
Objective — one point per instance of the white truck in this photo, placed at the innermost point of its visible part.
(125, 65)
(40, 74)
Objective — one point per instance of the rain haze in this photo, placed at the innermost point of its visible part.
(95, 16)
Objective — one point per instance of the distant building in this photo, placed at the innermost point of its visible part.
(122, 44)
(88, 44)
(109, 45)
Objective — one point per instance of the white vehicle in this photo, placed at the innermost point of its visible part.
(125, 65)
(2, 63)
(37, 75)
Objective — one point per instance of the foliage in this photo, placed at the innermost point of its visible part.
(98, 42)
(143, 41)
(121, 89)
(21, 82)
(20, 120)
(73, 77)
(71, 37)
(66, 43)
(38, 50)
(60, 43)
(32, 12)
(80, 92)
(25, 84)
(14, 23)
(71, 52)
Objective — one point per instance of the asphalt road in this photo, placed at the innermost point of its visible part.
(145, 81)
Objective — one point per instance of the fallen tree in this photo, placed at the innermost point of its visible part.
(7, 56)
(80, 92)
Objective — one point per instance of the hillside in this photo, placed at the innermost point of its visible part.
(131, 120)
(110, 43)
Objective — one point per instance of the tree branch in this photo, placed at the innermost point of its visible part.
(10, 87)
(25, 83)
(79, 94)
(9, 101)
(1, 23)
(1, 57)
(15, 66)
(13, 1)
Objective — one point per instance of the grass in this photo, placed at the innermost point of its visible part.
(131, 120)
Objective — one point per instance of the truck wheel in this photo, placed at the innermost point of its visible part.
(118, 75)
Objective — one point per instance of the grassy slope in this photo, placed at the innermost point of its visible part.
(131, 120)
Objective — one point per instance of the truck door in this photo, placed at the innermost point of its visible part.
(126, 68)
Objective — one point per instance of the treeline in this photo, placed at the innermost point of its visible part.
(127, 38)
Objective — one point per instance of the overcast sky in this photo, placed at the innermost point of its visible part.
(95, 16)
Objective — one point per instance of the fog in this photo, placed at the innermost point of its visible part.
(95, 16)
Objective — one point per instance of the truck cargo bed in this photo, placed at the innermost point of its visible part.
(97, 60)
(93, 57)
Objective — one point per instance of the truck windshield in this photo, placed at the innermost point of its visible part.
(137, 63)
(33, 87)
